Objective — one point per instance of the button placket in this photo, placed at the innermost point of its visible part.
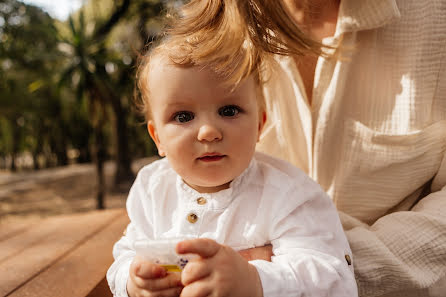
(201, 201)
(195, 211)
(192, 218)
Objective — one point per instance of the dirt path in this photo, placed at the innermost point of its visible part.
(69, 189)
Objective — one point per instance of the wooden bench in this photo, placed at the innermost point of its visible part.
(61, 256)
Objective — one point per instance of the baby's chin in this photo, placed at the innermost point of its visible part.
(209, 186)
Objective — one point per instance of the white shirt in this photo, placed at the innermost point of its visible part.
(374, 138)
(271, 202)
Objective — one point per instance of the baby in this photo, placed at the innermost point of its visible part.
(215, 190)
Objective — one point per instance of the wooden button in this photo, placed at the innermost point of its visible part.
(201, 200)
(348, 259)
(192, 218)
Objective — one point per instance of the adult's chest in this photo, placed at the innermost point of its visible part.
(382, 133)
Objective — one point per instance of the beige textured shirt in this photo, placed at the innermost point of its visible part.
(375, 139)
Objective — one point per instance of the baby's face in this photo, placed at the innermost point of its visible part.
(207, 133)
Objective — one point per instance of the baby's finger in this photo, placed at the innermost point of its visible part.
(149, 270)
(203, 247)
(172, 292)
(197, 289)
(171, 280)
(194, 271)
(146, 270)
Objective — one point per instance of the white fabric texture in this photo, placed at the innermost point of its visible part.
(374, 138)
(271, 202)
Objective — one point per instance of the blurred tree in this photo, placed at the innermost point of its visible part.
(104, 75)
(28, 57)
(140, 25)
(103, 58)
(93, 56)
(85, 72)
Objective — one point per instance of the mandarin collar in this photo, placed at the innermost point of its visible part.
(358, 15)
(220, 199)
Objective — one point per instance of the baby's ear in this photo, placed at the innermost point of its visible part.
(152, 131)
(262, 121)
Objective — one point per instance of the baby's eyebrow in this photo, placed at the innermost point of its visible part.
(176, 106)
(179, 103)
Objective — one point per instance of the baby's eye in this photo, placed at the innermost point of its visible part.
(183, 116)
(229, 111)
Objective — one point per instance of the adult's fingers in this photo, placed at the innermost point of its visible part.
(194, 271)
(203, 247)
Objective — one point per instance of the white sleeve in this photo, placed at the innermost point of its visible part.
(310, 248)
(123, 252)
(118, 273)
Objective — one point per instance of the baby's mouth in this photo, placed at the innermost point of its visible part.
(211, 157)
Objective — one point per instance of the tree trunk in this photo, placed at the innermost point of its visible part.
(100, 160)
(61, 151)
(124, 173)
(39, 145)
(13, 165)
(15, 146)
(84, 155)
(2, 162)
(35, 161)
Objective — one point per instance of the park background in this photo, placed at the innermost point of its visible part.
(70, 138)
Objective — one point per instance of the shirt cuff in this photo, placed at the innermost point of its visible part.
(276, 282)
(121, 281)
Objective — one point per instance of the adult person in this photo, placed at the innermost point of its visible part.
(366, 120)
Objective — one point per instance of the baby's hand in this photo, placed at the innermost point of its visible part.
(150, 280)
(220, 271)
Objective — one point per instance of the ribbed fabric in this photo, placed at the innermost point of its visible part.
(375, 139)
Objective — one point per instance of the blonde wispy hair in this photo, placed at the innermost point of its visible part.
(234, 38)
(247, 31)
(180, 53)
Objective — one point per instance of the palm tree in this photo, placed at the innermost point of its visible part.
(86, 74)
(26, 82)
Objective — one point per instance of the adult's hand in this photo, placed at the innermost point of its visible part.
(258, 253)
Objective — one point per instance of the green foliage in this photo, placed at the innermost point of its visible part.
(58, 80)
(28, 56)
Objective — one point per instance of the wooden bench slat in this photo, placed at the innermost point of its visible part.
(68, 233)
(8, 230)
(35, 233)
(82, 271)
(101, 290)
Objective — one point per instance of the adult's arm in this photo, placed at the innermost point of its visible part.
(311, 253)
(258, 253)
(403, 253)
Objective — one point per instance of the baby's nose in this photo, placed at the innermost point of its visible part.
(209, 132)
